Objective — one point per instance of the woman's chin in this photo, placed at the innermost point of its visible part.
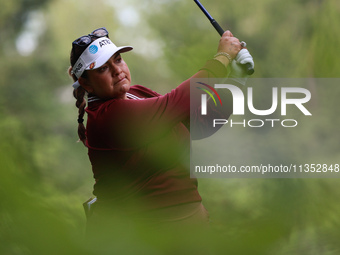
(125, 87)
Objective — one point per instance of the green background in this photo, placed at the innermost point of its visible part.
(45, 175)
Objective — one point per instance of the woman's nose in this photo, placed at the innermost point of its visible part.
(116, 70)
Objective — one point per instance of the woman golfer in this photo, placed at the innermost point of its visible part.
(138, 140)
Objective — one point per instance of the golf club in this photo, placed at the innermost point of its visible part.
(219, 29)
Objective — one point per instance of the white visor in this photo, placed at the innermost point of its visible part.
(96, 55)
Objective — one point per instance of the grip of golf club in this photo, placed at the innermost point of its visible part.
(248, 68)
(217, 27)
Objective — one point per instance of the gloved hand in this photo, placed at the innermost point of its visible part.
(238, 72)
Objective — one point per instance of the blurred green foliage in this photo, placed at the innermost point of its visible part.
(45, 175)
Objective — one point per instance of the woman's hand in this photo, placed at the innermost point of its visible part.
(230, 45)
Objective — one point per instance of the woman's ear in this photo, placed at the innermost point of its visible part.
(85, 84)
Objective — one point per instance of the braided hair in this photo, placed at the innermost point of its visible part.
(79, 93)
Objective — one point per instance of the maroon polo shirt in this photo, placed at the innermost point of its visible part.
(140, 148)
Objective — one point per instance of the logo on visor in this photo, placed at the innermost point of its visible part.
(78, 68)
(93, 49)
(92, 65)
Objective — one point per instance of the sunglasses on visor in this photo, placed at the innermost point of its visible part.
(87, 39)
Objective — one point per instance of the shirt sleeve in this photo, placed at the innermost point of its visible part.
(127, 124)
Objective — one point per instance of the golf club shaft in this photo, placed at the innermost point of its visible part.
(248, 68)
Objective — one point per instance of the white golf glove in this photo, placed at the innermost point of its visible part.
(238, 72)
